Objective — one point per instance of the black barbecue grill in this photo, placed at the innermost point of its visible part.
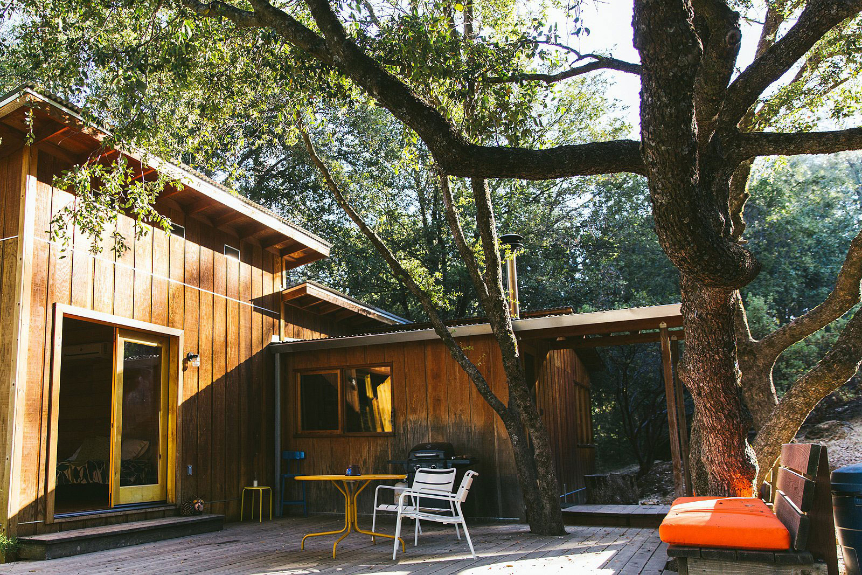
(437, 455)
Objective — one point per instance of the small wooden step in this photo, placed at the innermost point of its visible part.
(91, 539)
(615, 515)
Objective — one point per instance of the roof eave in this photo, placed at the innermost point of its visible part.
(549, 326)
(25, 94)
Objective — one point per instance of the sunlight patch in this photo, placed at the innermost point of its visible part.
(590, 561)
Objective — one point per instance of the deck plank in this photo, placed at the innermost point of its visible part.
(273, 547)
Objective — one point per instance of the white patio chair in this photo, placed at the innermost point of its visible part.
(442, 480)
(408, 506)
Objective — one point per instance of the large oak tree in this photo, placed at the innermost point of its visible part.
(699, 134)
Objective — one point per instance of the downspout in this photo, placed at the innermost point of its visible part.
(277, 443)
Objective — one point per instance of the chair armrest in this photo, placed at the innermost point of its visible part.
(427, 495)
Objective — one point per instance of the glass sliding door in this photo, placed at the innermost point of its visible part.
(140, 419)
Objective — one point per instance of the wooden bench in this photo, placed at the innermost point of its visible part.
(802, 501)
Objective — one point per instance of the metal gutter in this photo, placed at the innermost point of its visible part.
(601, 320)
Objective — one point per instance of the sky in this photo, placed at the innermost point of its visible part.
(610, 24)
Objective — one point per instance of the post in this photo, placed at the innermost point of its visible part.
(672, 412)
(681, 419)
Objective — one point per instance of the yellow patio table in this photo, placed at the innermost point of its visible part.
(350, 486)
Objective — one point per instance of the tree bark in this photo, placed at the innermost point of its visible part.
(708, 369)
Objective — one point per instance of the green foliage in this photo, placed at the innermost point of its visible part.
(102, 193)
(801, 217)
(8, 545)
(629, 408)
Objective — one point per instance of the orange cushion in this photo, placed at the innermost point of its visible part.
(729, 522)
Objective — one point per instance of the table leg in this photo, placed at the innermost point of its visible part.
(260, 508)
(372, 533)
(346, 528)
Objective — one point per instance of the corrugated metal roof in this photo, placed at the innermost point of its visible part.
(376, 311)
(590, 323)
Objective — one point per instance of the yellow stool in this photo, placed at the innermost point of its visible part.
(260, 512)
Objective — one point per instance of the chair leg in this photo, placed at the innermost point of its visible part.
(466, 533)
(452, 509)
(416, 534)
(397, 535)
(374, 521)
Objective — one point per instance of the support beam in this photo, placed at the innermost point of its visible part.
(48, 134)
(198, 207)
(681, 418)
(144, 174)
(612, 340)
(228, 218)
(672, 413)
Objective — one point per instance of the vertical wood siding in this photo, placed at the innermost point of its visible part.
(226, 413)
(10, 191)
(433, 400)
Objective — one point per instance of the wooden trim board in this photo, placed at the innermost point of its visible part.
(61, 311)
(19, 337)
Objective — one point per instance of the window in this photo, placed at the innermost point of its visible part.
(178, 230)
(231, 252)
(347, 400)
(318, 401)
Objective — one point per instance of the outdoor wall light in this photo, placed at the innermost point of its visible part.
(193, 359)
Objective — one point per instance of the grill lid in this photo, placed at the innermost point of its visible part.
(438, 449)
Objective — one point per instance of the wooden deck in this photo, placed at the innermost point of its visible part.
(272, 547)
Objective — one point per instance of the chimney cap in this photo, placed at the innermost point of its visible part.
(514, 241)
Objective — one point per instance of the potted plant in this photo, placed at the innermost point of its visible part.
(8, 548)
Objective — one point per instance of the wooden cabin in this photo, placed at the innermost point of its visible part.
(368, 399)
(130, 383)
(167, 341)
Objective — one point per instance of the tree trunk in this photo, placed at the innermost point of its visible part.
(536, 474)
(723, 463)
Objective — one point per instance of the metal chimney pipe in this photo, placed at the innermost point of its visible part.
(515, 243)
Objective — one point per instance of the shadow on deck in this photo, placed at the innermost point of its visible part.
(273, 547)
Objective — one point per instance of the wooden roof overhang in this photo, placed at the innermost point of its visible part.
(324, 301)
(59, 129)
(570, 331)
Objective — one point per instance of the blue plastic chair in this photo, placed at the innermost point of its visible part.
(293, 463)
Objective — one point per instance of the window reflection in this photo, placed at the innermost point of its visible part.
(368, 400)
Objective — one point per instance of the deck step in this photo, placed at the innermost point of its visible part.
(90, 539)
(615, 515)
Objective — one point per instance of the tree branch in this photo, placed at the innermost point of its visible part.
(404, 276)
(452, 152)
(846, 294)
(752, 144)
(840, 364)
(601, 63)
(818, 17)
(461, 242)
(718, 29)
(241, 18)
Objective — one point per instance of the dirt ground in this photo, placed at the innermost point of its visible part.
(837, 423)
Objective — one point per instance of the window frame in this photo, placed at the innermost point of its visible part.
(340, 432)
